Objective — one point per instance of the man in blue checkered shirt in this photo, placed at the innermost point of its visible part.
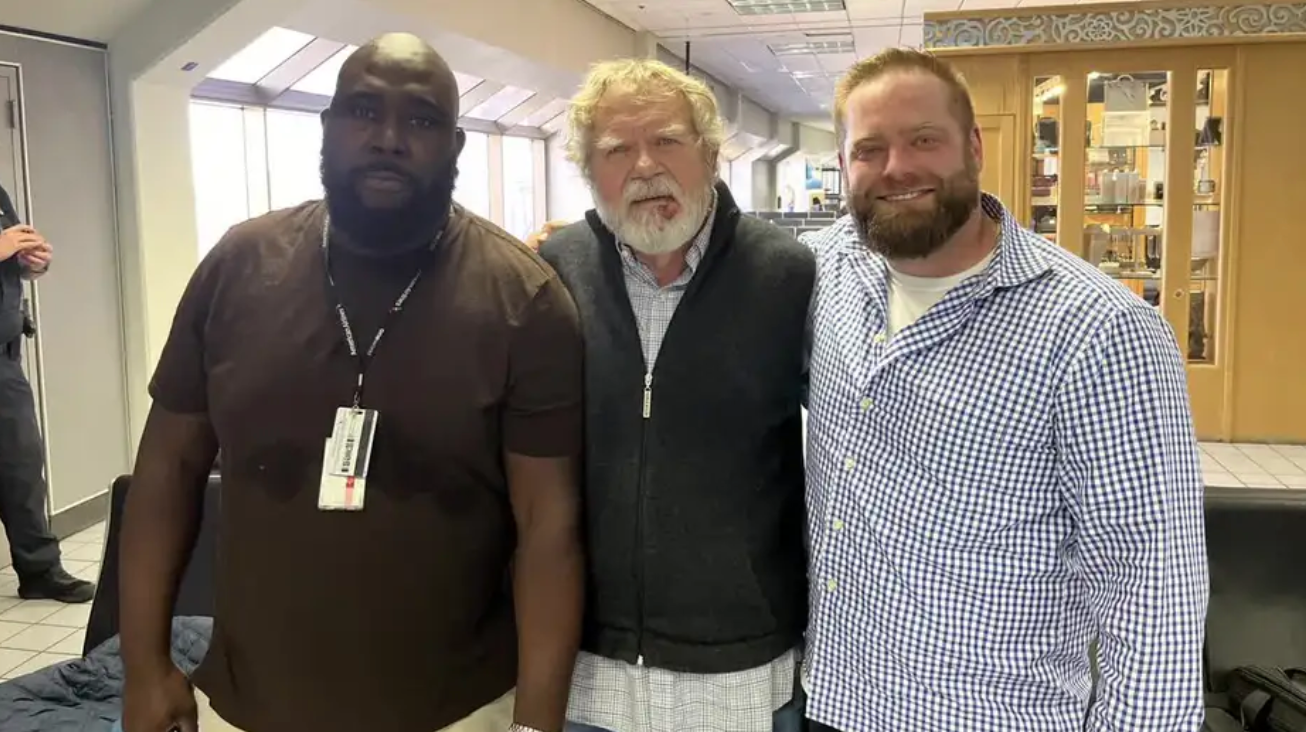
(1001, 458)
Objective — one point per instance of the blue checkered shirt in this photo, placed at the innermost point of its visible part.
(1009, 477)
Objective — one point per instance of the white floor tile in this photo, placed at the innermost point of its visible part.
(7, 602)
(1293, 481)
(72, 616)
(31, 611)
(93, 535)
(1221, 480)
(84, 552)
(11, 659)
(1240, 465)
(76, 565)
(1291, 451)
(1279, 466)
(1255, 450)
(9, 630)
(8, 572)
(70, 645)
(38, 662)
(1210, 464)
(1260, 481)
(38, 637)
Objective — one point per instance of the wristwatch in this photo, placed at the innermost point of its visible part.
(521, 728)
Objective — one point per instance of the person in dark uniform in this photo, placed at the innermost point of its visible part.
(25, 255)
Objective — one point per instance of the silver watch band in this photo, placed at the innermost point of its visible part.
(521, 728)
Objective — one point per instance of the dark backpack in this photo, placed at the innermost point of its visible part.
(1260, 699)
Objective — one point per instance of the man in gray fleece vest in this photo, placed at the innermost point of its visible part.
(694, 318)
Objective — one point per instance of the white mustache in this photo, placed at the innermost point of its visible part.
(638, 190)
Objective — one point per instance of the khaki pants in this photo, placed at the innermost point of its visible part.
(493, 717)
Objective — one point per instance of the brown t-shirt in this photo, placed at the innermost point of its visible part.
(398, 617)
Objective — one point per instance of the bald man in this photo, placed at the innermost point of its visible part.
(395, 385)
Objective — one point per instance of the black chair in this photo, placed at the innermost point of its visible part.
(1256, 544)
(195, 597)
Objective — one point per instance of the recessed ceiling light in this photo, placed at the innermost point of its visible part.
(783, 7)
(819, 47)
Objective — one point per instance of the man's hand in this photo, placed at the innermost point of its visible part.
(159, 703)
(536, 239)
(19, 240)
(37, 259)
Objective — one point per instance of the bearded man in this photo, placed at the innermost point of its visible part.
(395, 384)
(694, 318)
(1001, 467)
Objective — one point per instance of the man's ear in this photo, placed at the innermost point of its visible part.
(977, 147)
(459, 140)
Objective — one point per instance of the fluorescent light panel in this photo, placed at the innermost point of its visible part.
(812, 47)
(784, 7)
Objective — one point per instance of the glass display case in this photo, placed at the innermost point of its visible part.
(1045, 193)
(1126, 119)
(1114, 179)
(1212, 100)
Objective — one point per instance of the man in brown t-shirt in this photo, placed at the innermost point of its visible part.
(395, 385)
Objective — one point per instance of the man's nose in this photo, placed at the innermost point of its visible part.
(390, 138)
(645, 165)
(898, 162)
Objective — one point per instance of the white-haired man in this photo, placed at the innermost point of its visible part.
(1001, 459)
(694, 318)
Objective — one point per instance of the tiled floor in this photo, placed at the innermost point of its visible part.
(37, 633)
(1254, 466)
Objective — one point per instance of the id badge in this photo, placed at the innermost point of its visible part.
(345, 460)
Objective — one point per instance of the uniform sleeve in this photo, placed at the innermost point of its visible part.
(543, 417)
(180, 383)
(1132, 476)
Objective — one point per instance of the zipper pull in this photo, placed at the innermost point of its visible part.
(639, 661)
(648, 394)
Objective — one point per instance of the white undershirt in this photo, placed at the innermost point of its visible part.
(911, 296)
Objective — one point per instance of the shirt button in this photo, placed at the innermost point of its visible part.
(849, 464)
(866, 404)
(837, 524)
(880, 337)
(831, 584)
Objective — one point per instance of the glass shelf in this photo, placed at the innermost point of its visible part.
(1045, 167)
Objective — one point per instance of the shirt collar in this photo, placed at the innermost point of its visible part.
(1020, 256)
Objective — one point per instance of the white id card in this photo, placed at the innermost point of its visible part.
(345, 460)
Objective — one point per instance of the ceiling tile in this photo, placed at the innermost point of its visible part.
(836, 63)
(913, 36)
(912, 8)
(987, 4)
(806, 62)
(874, 9)
(871, 41)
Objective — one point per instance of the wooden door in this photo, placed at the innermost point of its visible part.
(998, 136)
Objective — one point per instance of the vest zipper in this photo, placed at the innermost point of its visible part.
(646, 411)
(648, 394)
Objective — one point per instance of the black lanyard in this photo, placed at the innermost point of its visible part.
(365, 359)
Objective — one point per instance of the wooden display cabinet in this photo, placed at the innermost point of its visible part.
(1121, 158)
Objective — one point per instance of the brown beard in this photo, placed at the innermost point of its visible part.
(903, 233)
